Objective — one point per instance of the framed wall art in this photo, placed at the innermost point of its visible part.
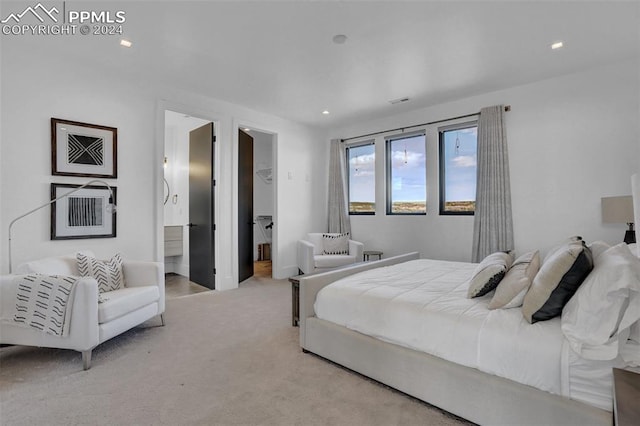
(87, 213)
(82, 149)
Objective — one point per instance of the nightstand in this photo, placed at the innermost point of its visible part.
(626, 397)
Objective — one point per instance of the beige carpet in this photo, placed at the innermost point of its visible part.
(228, 358)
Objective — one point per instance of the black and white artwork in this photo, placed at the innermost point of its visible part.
(82, 149)
(87, 213)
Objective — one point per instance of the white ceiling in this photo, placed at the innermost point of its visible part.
(278, 57)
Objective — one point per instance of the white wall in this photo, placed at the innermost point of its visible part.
(38, 84)
(32, 94)
(572, 140)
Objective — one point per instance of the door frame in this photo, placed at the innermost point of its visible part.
(246, 124)
(225, 131)
(159, 156)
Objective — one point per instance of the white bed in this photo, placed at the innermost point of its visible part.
(422, 305)
(408, 323)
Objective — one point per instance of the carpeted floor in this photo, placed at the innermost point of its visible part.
(224, 358)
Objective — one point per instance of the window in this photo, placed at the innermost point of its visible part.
(362, 178)
(407, 174)
(458, 158)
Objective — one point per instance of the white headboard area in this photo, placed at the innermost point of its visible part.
(635, 190)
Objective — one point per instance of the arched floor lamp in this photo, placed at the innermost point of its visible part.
(110, 208)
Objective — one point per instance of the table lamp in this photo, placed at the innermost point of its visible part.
(620, 210)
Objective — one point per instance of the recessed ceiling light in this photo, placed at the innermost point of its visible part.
(125, 43)
(339, 39)
(246, 129)
(557, 45)
(325, 112)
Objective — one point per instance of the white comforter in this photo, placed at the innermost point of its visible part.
(422, 305)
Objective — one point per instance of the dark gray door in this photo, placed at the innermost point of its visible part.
(201, 203)
(245, 206)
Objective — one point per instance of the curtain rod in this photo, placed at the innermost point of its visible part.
(506, 108)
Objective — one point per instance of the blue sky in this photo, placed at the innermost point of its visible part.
(460, 166)
(362, 174)
(409, 176)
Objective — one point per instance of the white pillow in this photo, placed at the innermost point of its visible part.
(597, 248)
(634, 333)
(606, 304)
(489, 273)
(108, 273)
(335, 243)
(511, 290)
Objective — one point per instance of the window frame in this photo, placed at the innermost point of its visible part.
(389, 167)
(367, 142)
(441, 163)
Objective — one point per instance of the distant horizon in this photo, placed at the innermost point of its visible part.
(408, 175)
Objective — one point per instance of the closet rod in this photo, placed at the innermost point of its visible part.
(506, 108)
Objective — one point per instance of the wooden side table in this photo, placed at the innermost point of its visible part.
(626, 397)
(368, 253)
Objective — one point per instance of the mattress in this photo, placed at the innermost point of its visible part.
(423, 305)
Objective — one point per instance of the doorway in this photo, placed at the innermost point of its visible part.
(256, 203)
(189, 248)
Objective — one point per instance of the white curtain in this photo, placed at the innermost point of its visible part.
(493, 224)
(338, 211)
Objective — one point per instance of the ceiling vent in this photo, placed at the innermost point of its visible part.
(398, 101)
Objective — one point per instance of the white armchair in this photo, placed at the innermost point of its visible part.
(90, 323)
(311, 257)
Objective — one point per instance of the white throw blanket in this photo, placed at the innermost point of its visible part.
(41, 302)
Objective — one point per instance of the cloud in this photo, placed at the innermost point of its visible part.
(363, 165)
(464, 161)
(363, 161)
(409, 159)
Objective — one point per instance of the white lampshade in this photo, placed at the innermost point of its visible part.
(617, 209)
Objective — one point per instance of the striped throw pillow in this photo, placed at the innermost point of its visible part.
(108, 273)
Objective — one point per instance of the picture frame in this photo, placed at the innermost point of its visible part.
(83, 149)
(84, 214)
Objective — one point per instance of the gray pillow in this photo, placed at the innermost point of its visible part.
(515, 284)
(558, 279)
(488, 274)
(335, 243)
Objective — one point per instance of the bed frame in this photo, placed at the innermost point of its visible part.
(466, 392)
